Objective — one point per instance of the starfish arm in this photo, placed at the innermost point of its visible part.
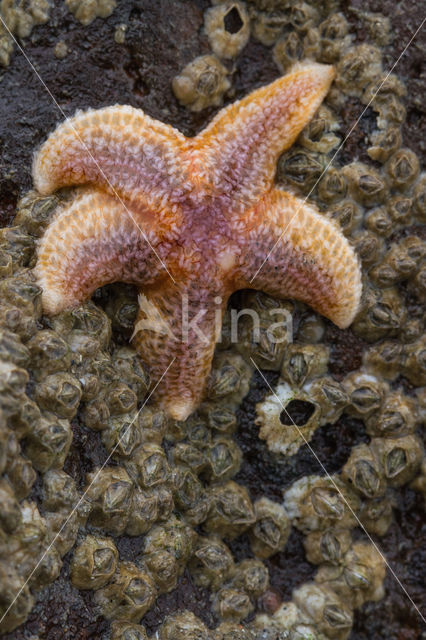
(243, 142)
(176, 333)
(119, 148)
(93, 241)
(295, 252)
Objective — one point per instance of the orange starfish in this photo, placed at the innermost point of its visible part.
(206, 209)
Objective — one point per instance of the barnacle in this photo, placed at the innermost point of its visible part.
(121, 399)
(231, 510)
(264, 334)
(121, 308)
(22, 292)
(95, 414)
(59, 392)
(318, 135)
(219, 417)
(18, 245)
(418, 286)
(366, 185)
(167, 549)
(399, 457)
(304, 362)
(288, 51)
(303, 16)
(164, 568)
(287, 419)
(212, 563)
(330, 396)
(376, 514)
(189, 495)
(311, 329)
(252, 577)
(6, 46)
(129, 596)
(300, 168)
(363, 472)
(269, 534)
(357, 68)
(232, 604)
(148, 465)
(59, 490)
(384, 143)
(49, 353)
(152, 424)
(402, 168)
(202, 83)
(366, 393)
(333, 37)
(94, 562)
(359, 577)
(12, 349)
(144, 512)
(186, 454)
(131, 371)
(229, 378)
(322, 607)
(386, 101)
(49, 442)
(333, 186)
(17, 320)
(122, 436)
(382, 314)
(280, 624)
(21, 475)
(165, 504)
(83, 321)
(399, 208)
(379, 221)
(369, 246)
(183, 626)
(224, 459)
(227, 27)
(315, 503)
(268, 25)
(6, 265)
(109, 493)
(29, 544)
(34, 212)
(328, 546)
(397, 417)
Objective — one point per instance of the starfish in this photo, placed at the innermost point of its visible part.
(190, 221)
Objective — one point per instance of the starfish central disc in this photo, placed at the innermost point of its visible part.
(190, 221)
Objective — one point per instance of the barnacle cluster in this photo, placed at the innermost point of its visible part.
(204, 81)
(172, 485)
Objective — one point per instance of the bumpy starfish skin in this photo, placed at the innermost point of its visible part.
(206, 209)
